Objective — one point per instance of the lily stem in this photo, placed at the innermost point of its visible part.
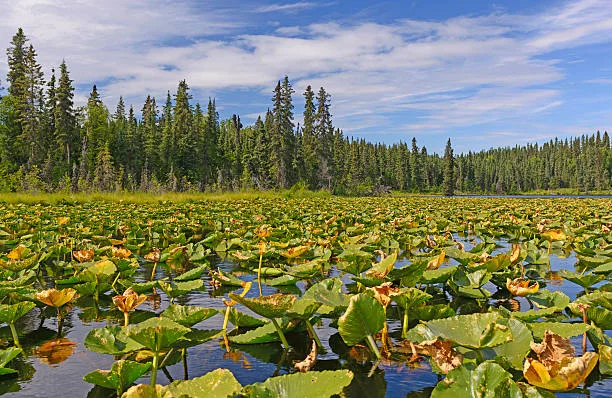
(126, 319)
(405, 323)
(280, 334)
(313, 334)
(259, 274)
(15, 335)
(373, 346)
(154, 369)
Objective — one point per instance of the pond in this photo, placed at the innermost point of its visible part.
(50, 366)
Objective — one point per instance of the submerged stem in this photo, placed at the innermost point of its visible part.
(280, 334)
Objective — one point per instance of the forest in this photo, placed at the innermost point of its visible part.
(48, 144)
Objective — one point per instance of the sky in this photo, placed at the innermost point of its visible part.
(483, 73)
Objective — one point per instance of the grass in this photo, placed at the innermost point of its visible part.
(145, 197)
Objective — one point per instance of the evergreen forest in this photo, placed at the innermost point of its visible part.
(49, 144)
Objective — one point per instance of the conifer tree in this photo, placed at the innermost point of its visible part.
(449, 170)
(65, 122)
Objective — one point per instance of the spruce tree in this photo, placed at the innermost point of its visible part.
(65, 120)
(449, 170)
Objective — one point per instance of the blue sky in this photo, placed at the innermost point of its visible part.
(484, 73)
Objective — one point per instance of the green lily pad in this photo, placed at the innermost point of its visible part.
(110, 340)
(192, 274)
(121, 375)
(220, 383)
(10, 313)
(303, 385)
(605, 359)
(273, 306)
(283, 280)
(156, 333)
(187, 315)
(586, 280)
(547, 299)
(176, 289)
(440, 275)
(474, 330)
(515, 351)
(488, 380)
(566, 330)
(7, 356)
(240, 319)
(364, 317)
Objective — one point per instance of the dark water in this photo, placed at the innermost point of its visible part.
(42, 376)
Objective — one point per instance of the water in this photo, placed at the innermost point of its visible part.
(44, 373)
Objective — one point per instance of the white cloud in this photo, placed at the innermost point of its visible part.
(443, 74)
(288, 7)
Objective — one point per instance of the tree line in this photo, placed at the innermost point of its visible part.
(49, 144)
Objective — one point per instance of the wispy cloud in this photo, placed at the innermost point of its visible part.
(445, 74)
(288, 7)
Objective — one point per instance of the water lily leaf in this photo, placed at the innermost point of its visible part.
(304, 385)
(284, 280)
(420, 333)
(110, 340)
(240, 319)
(263, 334)
(494, 264)
(226, 279)
(463, 257)
(7, 356)
(410, 297)
(197, 337)
(440, 275)
(187, 315)
(121, 375)
(192, 274)
(472, 331)
(303, 308)
(547, 299)
(295, 252)
(273, 306)
(176, 289)
(515, 351)
(563, 329)
(364, 316)
(605, 359)
(306, 270)
(156, 333)
(102, 268)
(532, 315)
(586, 280)
(554, 235)
(144, 391)
(597, 298)
(220, 383)
(329, 293)
(381, 269)
(488, 380)
(430, 312)
(10, 313)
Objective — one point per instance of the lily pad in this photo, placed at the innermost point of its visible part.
(303, 385)
(473, 331)
(364, 317)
